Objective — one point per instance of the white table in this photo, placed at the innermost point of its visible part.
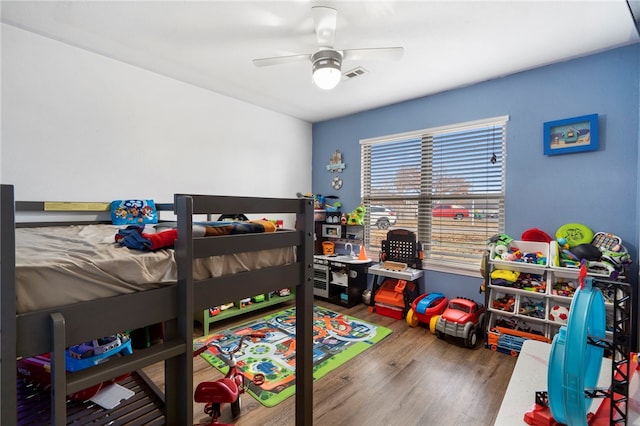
(407, 274)
(530, 375)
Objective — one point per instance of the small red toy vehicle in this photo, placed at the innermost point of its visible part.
(227, 389)
(426, 308)
(463, 318)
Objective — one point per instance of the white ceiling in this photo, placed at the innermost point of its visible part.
(448, 44)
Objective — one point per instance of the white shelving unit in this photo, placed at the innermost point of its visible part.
(523, 306)
(530, 308)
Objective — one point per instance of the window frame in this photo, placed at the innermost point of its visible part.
(425, 197)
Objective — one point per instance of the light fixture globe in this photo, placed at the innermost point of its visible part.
(326, 68)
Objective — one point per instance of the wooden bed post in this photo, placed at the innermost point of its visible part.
(58, 372)
(8, 338)
(304, 320)
(179, 369)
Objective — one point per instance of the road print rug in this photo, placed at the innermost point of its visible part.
(337, 338)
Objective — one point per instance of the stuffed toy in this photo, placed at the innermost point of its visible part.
(356, 217)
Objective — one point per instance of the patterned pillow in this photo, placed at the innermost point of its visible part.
(127, 212)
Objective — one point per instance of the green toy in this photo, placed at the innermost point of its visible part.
(356, 217)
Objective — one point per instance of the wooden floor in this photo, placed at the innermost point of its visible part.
(410, 378)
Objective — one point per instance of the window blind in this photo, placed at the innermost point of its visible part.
(446, 184)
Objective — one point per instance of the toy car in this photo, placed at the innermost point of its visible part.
(463, 318)
(426, 308)
(37, 369)
(97, 351)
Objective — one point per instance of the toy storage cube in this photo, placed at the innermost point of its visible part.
(505, 302)
(394, 312)
(532, 307)
(392, 299)
(524, 247)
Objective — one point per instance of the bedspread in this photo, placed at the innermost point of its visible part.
(68, 264)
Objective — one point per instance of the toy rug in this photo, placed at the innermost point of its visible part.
(336, 339)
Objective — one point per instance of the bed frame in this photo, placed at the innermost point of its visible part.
(52, 330)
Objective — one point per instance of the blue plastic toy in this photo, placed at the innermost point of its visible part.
(574, 365)
(97, 351)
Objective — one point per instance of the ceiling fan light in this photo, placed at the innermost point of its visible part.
(326, 69)
(326, 78)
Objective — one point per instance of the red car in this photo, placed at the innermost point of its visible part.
(450, 210)
(463, 318)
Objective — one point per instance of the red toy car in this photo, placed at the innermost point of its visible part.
(463, 318)
(426, 308)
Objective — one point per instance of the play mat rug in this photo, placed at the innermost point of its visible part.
(336, 339)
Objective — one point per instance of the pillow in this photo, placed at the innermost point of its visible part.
(128, 212)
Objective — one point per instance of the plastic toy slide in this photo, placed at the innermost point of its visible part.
(574, 365)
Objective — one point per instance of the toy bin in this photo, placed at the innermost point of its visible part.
(533, 256)
(563, 283)
(570, 271)
(395, 312)
(532, 307)
(390, 298)
(519, 325)
(505, 302)
(556, 264)
(390, 294)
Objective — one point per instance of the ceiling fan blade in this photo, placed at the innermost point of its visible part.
(325, 19)
(277, 60)
(391, 53)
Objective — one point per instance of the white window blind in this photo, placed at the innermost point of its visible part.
(446, 184)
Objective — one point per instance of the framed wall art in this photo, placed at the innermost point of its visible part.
(570, 135)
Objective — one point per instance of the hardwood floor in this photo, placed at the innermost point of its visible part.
(410, 378)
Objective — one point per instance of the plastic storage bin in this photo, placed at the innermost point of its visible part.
(527, 248)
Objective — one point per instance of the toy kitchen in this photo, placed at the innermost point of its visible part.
(340, 268)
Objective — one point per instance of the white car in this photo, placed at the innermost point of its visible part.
(382, 217)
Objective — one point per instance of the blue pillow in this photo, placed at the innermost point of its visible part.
(128, 212)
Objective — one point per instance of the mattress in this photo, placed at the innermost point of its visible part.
(61, 265)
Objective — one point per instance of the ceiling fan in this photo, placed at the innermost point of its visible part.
(326, 63)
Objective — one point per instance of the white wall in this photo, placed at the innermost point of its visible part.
(78, 126)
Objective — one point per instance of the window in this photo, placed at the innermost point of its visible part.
(446, 184)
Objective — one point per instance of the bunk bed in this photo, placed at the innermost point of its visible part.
(52, 329)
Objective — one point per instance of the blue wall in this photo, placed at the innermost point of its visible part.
(598, 189)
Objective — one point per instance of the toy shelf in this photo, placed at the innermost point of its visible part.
(239, 308)
(533, 308)
(569, 272)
